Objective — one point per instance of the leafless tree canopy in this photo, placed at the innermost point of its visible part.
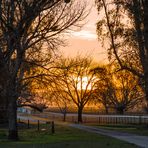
(117, 91)
(30, 29)
(35, 24)
(75, 80)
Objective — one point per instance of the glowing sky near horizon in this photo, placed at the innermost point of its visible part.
(85, 42)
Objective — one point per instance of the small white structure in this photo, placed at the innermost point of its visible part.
(27, 110)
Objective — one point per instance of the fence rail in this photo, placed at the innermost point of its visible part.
(91, 118)
(109, 119)
(48, 125)
(101, 119)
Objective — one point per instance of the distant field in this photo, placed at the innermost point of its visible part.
(64, 137)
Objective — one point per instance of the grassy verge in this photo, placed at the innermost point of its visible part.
(133, 129)
(64, 137)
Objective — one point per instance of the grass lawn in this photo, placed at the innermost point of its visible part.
(134, 129)
(64, 137)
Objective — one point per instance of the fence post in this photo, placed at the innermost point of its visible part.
(72, 118)
(28, 124)
(140, 120)
(99, 119)
(116, 120)
(52, 127)
(38, 125)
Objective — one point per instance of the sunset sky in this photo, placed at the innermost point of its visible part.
(85, 42)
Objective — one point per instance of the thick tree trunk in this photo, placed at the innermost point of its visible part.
(12, 114)
(3, 113)
(3, 108)
(120, 111)
(80, 110)
(8, 97)
(146, 26)
(146, 48)
(141, 19)
(12, 111)
(106, 109)
(3, 93)
(146, 92)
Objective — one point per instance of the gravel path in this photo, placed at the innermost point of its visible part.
(141, 141)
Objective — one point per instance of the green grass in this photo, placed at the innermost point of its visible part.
(134, 129)
(64, 137)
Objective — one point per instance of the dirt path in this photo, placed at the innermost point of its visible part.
(141, 141)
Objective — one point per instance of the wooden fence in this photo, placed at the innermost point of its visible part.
(39, 124)
(101, 119)
(111, 119)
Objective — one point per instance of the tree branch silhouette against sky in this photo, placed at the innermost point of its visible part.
(84, 41)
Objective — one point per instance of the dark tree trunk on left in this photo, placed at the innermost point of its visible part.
(12, 111)
(145, 64)
(3, 108)
(8, 97)
(3, 92)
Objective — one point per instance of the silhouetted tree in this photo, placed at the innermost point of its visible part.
(126, 25)
(103, 90)
(76, 81)
(28, 27)
(117, 90)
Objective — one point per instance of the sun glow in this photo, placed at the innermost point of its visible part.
(84, 83)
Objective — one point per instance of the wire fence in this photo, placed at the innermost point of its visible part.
(100, 119)
(40, 125)
(112, 119)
